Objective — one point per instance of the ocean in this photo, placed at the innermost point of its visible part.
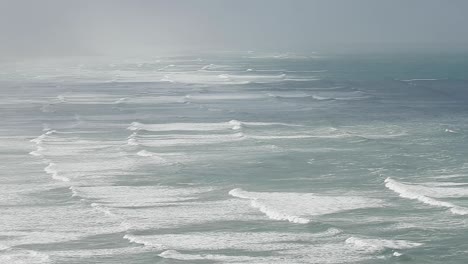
(235, 157)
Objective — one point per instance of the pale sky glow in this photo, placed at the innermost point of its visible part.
(55, 27)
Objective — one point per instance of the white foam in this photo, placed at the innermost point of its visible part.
(300, 207)
(155, 158)
(236, 125)
(321, 98)
(36, 153)
(74, 191)
(38, 140)
(52, 169)
(252, 241)
(21, 256)
(233, 124)
(174, 254)
(422, 194)
(121, 100)
(141, 241)
(375, 245)
(413, 80)
(61, 99)
(184, 139)
(272, 214)
(102, 208)
(132, 196)
(179, 126)
(145, 153)
(288, 94)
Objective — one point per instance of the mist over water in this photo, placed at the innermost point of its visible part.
(233, 132)
(71, 28)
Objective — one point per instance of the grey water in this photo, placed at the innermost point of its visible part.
(235, 157)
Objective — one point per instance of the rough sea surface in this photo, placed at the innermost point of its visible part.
(235, 158)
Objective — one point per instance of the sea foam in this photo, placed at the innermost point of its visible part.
(375, 245)
(300, 207)
(413, 192)
(52, 170)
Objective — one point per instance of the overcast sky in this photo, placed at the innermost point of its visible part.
(66, 27)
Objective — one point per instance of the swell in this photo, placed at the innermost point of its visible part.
(269, 212)
(405, 191)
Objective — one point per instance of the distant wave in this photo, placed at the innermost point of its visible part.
(184, 139)
(299, 207)
(272, 214)
(142, 241)
(375, 245)
(23, 256)
(173, 254)
(145, 153)
(37, 152)
(414, 80)
(102, 208)
(409, 192)
(233, 124)
(121, 100)
(132, 139)
(155, 158)
(52, 170)
(61, 99)
(74, 191)
(451, 131)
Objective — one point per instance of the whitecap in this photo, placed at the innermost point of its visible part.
(372, 245)
(301, 207)
(52, 169)
(426, 194)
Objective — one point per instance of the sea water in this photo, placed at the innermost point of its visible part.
(235, 158)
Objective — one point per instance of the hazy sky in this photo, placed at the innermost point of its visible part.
(66, 27)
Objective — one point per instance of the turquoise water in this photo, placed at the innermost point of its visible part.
(235, 158)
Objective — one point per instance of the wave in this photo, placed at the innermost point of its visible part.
(38, 140)
(154, 157)
(141, 241)
(121, 100)
(145, 153)
(275, 215)
(272, 214)
(322, 98)
(74, 191)
(451, 131)
(288, 94)
(102, 208)
(411, 192)
(414, 80)
(183, 139)
(174, 254)
(291, 79)
(179, 126)
(300, 207)
(132, 139)
(236, 125)
(37, 152)
(376, 245)
(61, 98)
(22, 256)
(52, 169)
(232, 124)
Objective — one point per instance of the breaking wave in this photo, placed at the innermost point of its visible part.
(411, 192)
(376, 245)
(300, 207)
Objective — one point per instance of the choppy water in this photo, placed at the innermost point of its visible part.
(235, 158)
